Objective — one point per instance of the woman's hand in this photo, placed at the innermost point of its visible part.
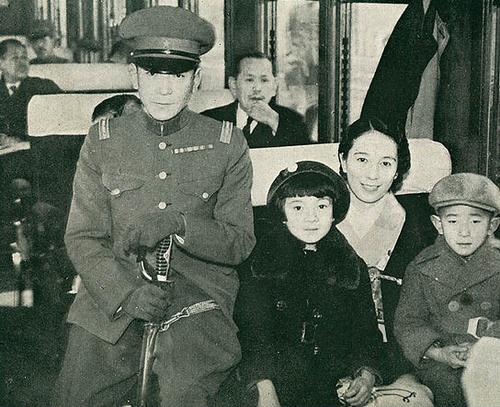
(267, 394)
(359, 392)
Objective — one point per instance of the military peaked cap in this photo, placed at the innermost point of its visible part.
(342, 201)
(168, 32)
(466, 189)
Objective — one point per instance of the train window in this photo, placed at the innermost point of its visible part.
(297, 44)
(370, 28)
(355, 35)
(213, 61)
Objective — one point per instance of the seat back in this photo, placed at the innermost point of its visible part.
(85, 77)
(55, 147)
(430, 161)
(70, 113)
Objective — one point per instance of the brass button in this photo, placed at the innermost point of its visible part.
(162, 205)
(115, 191)
(281, 305)
(204, 195)
(453, 306)
(162, 175)
(162, 145)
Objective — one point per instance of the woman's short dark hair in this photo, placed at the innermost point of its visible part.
(365, 125)
(310, 184)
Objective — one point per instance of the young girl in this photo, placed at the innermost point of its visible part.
(305, 312)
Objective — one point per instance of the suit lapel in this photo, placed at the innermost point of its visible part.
(4, 92)
(230, 112)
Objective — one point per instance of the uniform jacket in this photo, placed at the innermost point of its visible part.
(208, 179)
(291, 129)
(441, 292)
(14, 109)
(291, 290)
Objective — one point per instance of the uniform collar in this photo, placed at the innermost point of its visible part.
(167, 127)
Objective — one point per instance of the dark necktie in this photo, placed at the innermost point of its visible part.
(246, 129)
(12, 89)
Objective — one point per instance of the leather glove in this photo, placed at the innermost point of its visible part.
(148, 302)
(147, 230)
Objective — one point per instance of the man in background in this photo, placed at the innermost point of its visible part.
(43, 41)
(17, 89)
(264, 123)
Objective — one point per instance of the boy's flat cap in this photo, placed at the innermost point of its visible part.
(167, 32)
(320, 169)
(466, 189)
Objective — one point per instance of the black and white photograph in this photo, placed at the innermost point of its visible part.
(249, 203)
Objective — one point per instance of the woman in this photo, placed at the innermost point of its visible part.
(386, 231)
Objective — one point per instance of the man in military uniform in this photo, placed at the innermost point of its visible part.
(163, 174)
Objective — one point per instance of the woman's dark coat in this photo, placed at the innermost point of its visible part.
(289, 288)
(417, 234)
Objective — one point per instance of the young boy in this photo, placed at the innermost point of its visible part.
(305, 313)
(451, 284)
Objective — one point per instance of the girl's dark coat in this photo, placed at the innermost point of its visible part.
(287, 287)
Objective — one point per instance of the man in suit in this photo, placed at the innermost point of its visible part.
(17, 89)
(43, 38)
(264, 123)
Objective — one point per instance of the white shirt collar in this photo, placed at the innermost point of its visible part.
(241, 119)
(9, 85)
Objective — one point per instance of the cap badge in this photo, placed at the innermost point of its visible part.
(292, 167)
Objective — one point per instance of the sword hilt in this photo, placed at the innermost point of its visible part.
(148, 272)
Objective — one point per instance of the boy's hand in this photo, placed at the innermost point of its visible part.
(359, 392)
(448, 355)
(147, 230)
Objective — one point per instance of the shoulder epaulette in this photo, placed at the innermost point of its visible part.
(104, 128)
(226, 132)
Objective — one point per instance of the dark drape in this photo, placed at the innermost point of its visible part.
(396, 82)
